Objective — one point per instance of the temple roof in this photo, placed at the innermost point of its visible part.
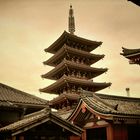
(67, 37)
(67, 81)
(10, 96)
(130, 52)
(65, 51)
(66, 65)
(38, 118)
(107, 106)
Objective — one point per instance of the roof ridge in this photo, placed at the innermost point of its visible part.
(116, 97)
(36, 113)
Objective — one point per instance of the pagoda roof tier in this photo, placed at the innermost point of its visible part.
(72, 40)
(66, 65)
(68, 81)
(63, 97)
(67, 51)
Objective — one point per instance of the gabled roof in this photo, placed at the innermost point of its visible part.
(69, 65)
(66, 80)
(106, 106)
(10, 96)
(66, 50)
(67, 37)
(38, 118)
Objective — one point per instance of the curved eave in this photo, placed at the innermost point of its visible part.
(97, 105)
(65, 64)
(121, 101)
(130, 52)
(102, 108)
(68, 50)
(133, 55)
(64, 97)
(77, 114)
(65, 36)
(66, 80)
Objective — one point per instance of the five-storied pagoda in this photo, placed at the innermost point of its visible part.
(72, 71)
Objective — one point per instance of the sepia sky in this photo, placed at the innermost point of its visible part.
(27, 27)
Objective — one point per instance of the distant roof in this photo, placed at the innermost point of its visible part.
(67, 37)
(10, 96)
(36, 119)
(132, 54)
(129, 52)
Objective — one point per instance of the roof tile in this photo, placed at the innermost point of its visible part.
(11, 95)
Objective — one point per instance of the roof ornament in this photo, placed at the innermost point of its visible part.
(71, 21)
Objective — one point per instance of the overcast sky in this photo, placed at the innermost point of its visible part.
(27, 27)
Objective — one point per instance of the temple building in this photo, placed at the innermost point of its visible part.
(107, 117)
(14, 104)
(81, 112)
(72, 60)
(96, 117)
(133, 55)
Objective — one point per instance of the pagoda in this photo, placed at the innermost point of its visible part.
(72, 70)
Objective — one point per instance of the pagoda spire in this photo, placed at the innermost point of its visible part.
(71, 21)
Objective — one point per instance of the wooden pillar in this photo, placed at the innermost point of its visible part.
(84, 135)
(109, 132)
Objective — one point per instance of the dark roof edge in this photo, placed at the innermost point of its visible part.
(42, 116)
(117, 97)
